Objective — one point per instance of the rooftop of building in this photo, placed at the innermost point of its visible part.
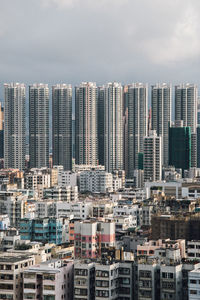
(13, 258)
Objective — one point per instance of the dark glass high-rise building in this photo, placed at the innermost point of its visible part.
(137, 124)
(180, 147)
(161, 99)
(39, 125)
(62, 125)
(198, 146)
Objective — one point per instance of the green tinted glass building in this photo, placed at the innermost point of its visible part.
(180, 147)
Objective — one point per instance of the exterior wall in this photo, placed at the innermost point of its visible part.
(170, 282)
(91, 238)
(86, 119)
(148, 278)
(65, 194)
(11, 267)
(152, 157)
(47, 230)
(84, 281)
(193, 250)
(97, 181)
(137, 123)
(113, 130)
(186, 105)
(14, 126)
(193, 285)
(39, 125)
(180, 147)
(161, 102)
(62, 125)
(67, 178)
(55, 280)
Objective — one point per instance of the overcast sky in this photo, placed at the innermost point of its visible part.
(71, 41)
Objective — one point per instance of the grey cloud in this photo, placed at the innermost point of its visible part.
(99, 40)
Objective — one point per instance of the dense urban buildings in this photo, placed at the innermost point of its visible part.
(14, 126)
(120, 220)
(62, 125)
(39, 125)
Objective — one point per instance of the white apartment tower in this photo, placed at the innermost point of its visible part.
(186, 104)
(86, 141)
(152, 157)
(62, 125)
(14, 126)
(137, 123)
(186, 101)
(161, 103)
(113, 130)
(39, 125)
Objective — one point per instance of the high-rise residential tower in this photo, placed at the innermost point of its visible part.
(39, 125)
(125, 128)
(86, 119)
(152, 157)
(101, 98)
(186, 103)
(1, 131)
(161, 102)
(14, 126)
(137, 123)
(113, 130)
(62, 125)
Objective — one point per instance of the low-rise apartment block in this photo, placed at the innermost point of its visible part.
(52, 280)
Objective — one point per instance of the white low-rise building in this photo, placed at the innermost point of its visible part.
(125, 222)
(96, 181)
(67, 178)
(78, 210)
(57, 193)
(193, 250)
(194, 285)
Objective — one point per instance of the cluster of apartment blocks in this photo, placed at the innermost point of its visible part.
(142, 140)
(165, 274)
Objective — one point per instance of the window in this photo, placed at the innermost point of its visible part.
(102, 293)
(29, 285)
(102, 273)
(27, 296)
(193, 281)
(29, 275)
(48, 277)
(193, 292)
(124, 271)
(49, 287)
(81, 272)
(82, 292)
(102, 283)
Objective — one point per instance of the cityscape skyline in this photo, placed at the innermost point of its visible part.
(100, 150)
